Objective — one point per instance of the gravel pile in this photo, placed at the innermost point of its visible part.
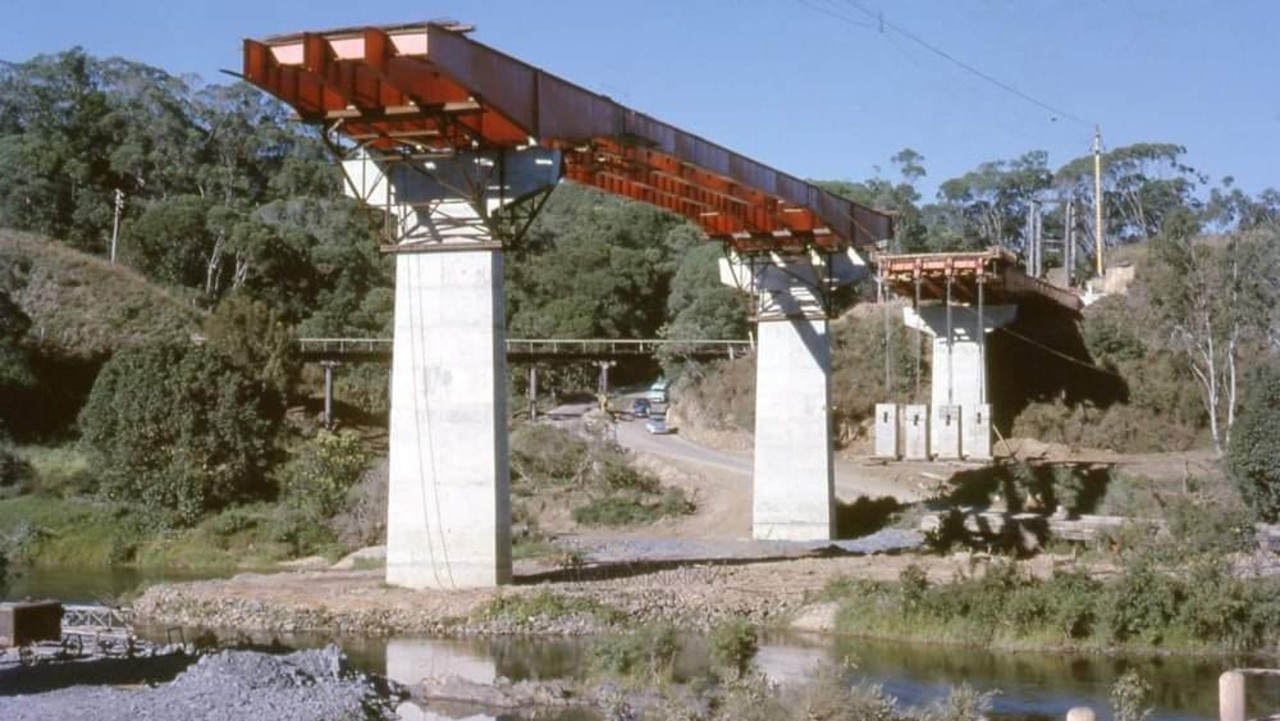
(229, 686)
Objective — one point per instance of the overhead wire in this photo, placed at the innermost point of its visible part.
(973, 70)
(885, 27)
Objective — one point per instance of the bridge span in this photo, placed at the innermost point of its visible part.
(459, 145)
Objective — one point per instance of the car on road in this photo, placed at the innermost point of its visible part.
(641, 407)
(658, 427)
(658, 391)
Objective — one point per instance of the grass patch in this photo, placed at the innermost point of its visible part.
(1199, 605)
(546, 605)
(632, 508)
(77, 533)
(61, 471)
(590, 474)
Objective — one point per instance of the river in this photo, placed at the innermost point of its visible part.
(1030, 685)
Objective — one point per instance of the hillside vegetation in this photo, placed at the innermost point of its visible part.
(81, 306)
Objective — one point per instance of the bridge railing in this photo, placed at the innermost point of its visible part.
(338, 347)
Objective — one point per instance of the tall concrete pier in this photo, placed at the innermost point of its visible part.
(793, 486)
(449, 508)
(449, 514)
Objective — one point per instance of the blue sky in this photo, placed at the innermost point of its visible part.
(814, 87)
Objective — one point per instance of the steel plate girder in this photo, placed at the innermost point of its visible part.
(391, 87)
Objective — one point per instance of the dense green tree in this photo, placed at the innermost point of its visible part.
(255, 338)
(1143, 184)
(990, 202)
(15, 373)
(900, 199)
(1211, 302)
(1253, 460)
(595, 266)
(180, 430)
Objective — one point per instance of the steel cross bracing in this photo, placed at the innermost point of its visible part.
(404, 93)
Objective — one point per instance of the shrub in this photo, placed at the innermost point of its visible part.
(318, 479)
(178, 429)
(646, 655)
(1129, 695)
(363, 518)
(1253, 458)
(733, 644)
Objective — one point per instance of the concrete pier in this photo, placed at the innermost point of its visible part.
(793, 492)
(959, 375)
(449, 514)
(793, 495)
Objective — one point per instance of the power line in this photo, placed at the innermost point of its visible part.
(883, 25)
(832, 13)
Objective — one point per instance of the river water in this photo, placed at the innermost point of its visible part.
(1029, 685)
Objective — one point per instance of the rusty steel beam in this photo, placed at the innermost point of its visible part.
(396, 85)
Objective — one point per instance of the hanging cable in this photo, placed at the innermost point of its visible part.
(886, 25)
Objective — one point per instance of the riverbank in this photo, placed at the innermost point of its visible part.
(571, 602)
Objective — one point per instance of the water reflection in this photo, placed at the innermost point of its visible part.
(1039, 685)
(1030, 685)
(409, 660)
(792, 663)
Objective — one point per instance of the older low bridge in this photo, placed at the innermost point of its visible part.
(459, 145)
(535, 349)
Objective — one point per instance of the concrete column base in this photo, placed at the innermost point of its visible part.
(449, 514)
(794, 491)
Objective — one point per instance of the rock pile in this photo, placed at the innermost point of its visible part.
(229, 686)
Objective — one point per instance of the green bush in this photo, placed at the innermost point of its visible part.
(630, 508)
(591, 474)
(1129, 698)
(318, 478)
(1253, 458)
(646, 655)
(733, 645)
(179, 430)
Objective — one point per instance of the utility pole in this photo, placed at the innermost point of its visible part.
(1097, 196)
(1069, 242)
(115, 227)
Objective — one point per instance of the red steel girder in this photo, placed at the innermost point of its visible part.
(429, 86)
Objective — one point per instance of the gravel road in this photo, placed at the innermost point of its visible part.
(228, 686)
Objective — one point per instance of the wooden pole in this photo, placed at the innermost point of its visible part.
(533, 392)
(1069, 242)
(1099, 236)
(328, 393)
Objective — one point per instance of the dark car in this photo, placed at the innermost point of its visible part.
(640, 408)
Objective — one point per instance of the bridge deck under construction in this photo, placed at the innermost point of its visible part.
(428, 88)
(925, 276)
